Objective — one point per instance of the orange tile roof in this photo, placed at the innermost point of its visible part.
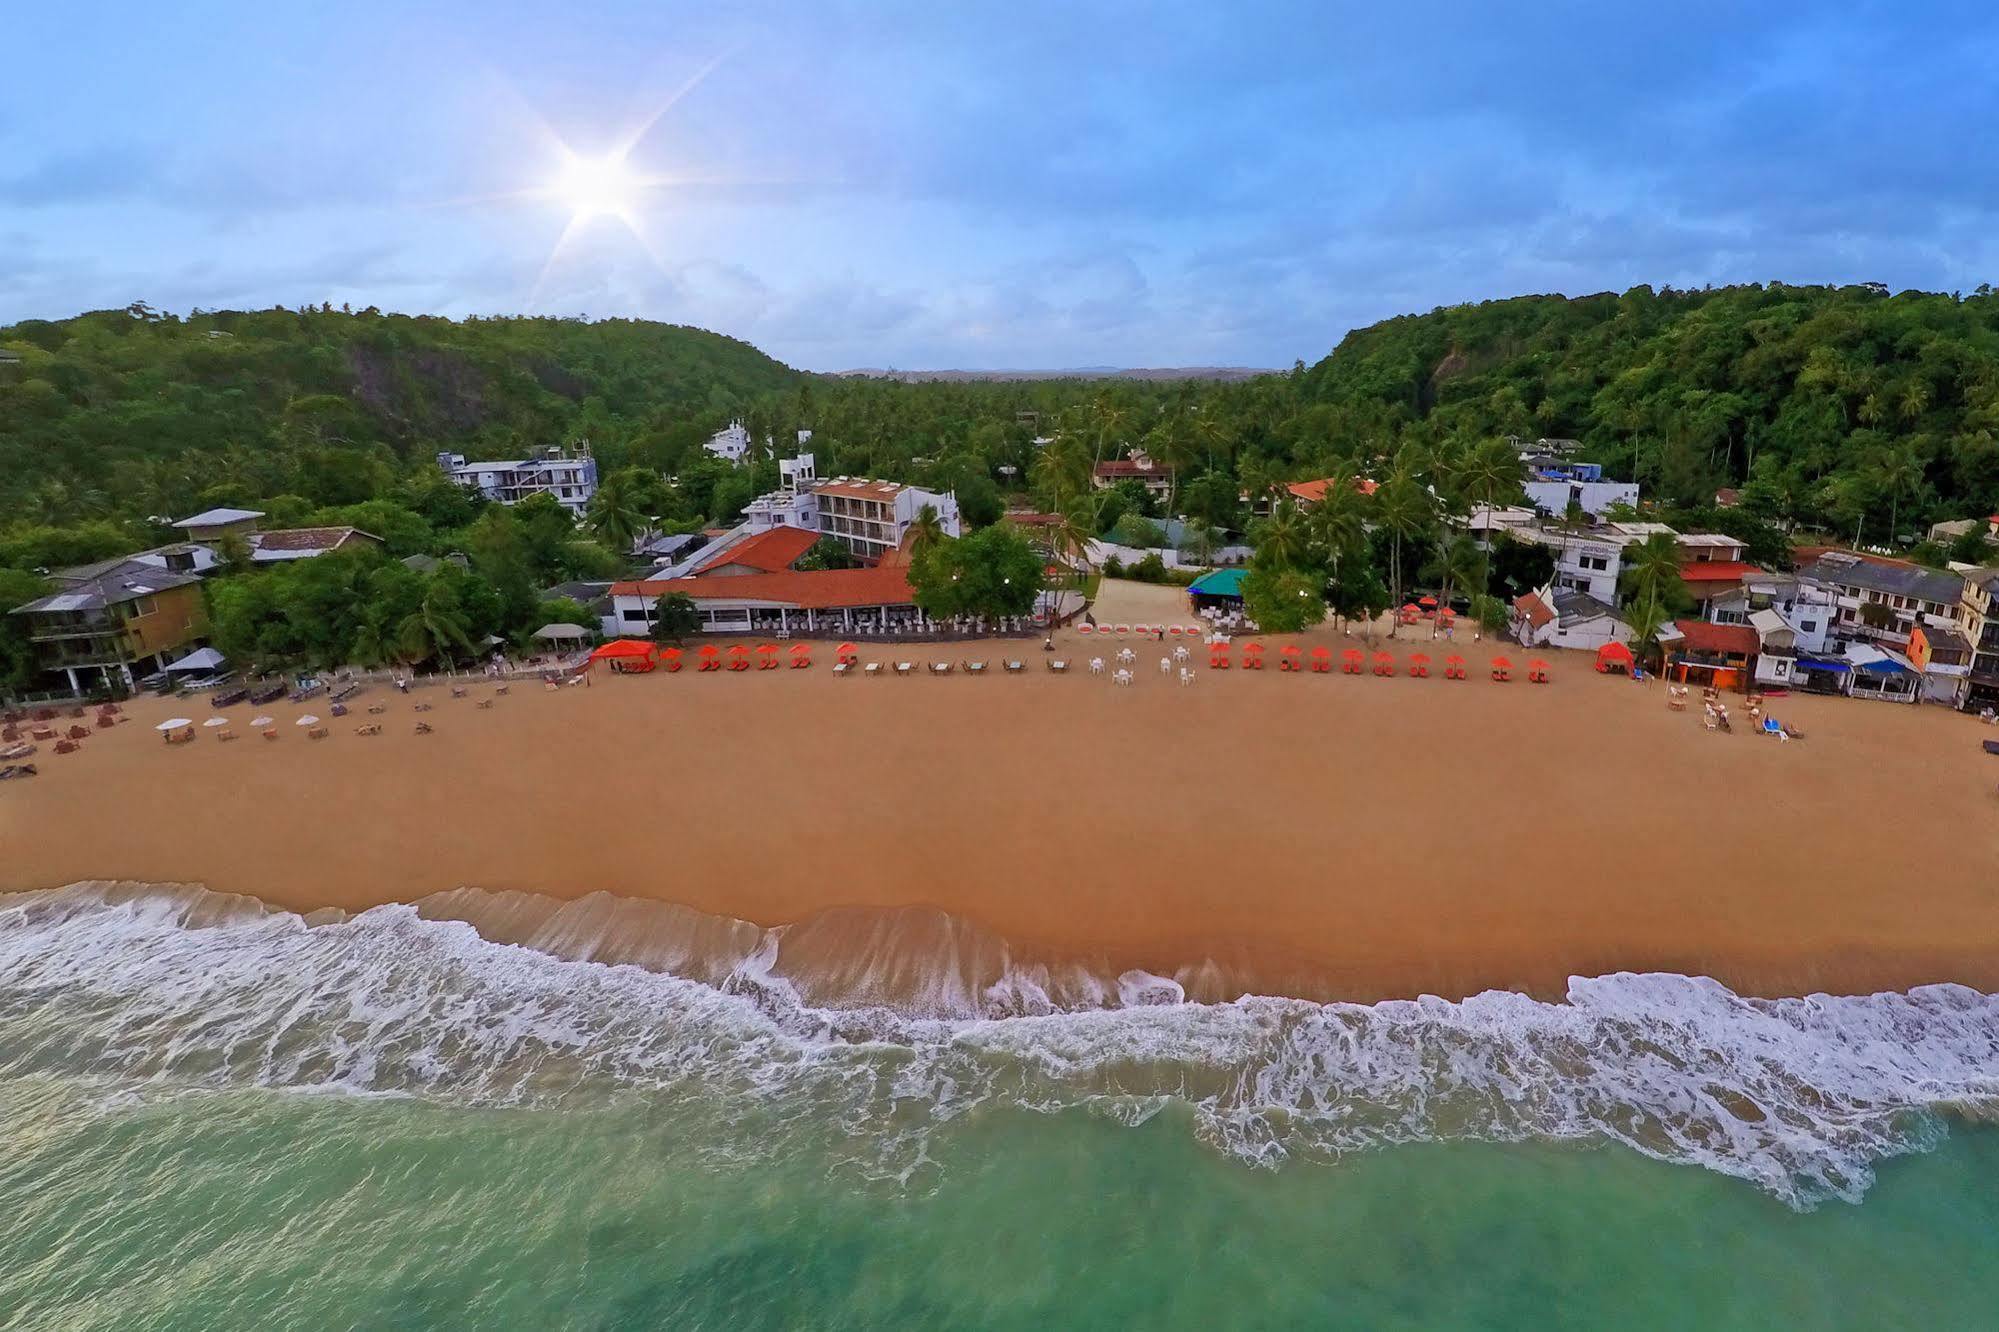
(1126, 467)
(820, 589)
(1313, 491)
(1717, 571)
(1536, 610)
(769, 552)
(1732, 640)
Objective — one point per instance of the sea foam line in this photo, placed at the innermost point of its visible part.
(1798, 1096)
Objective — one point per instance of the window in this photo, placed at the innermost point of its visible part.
(142, 607)
(1808, 626)
(631, 615)
(1600, 563)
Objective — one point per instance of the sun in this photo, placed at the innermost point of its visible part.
(598, 187)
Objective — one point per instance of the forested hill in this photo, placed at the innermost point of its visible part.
(1841, 403)
(138, 411)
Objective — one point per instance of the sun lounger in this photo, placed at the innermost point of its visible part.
(377, 709)
(317, 733)
(338, 709)
(345, 692)
(228, 698)
(485, 703)
(14, 770)
(267, 693)
(1990, 746)
(371, 728)
(306, 691)
(17, 751)
(423, 728)
(421, 707)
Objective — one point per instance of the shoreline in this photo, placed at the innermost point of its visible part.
(1326, 837)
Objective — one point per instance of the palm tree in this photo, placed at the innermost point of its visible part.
(1074, 530)
(1062, 470)
(1405, 510)
(615, 516)
(1282, 538)
(1457, 563)
(1898, 470)
(1652, 586)
(926, 529)
(436, 626)
(1646, 619)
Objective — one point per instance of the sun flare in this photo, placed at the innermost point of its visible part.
(598, 187)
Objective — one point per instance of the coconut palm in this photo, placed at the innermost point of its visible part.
(1074, 530)
(615, 516)
(926, 529)
(436, 628)
(1405, 510)
(1457, 563)
(1282, 539)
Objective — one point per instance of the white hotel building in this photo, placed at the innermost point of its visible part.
(570, 475)
(870, 518)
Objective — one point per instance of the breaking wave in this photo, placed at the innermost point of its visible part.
(761, 1035)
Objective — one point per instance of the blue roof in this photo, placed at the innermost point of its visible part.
(1219, 583)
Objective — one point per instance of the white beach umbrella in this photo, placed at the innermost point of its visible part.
(174, 723)
(216, 721)
(263, 721)
(307, 720)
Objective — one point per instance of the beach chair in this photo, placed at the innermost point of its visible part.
(1708, 720)
(225, 735)
(423, 728)
(1537, 672)
(377, 709)
(318, 733)
(368, 728)
(497, 692)
(1186, 677)
(485, 703)
(458, 691)
(67, 746)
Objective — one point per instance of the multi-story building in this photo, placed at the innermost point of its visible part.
(731, 443)
(1554, 485)
(1978, 624)
(570, 475)
(870, 518)
(1882, 599)
(108, 622)
(1156, 477)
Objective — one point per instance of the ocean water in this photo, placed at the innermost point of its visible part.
(220, 1117)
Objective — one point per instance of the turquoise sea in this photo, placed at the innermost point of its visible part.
(218, 1117)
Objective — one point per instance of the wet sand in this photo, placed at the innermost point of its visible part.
(1323, 835)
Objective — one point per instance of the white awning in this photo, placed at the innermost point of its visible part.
(556, 633)
(201, 659)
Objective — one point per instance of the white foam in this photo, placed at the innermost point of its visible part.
(1799, 1096)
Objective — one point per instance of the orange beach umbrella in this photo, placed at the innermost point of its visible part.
(800, 649)
(1501, 664)
(1252, 649)
(847, 650)
(1353, 654)
(1383, 658)
(1290, 650)
(766, 649)
(1420, 658)
(738, 650)
(1322, 653)
(710, 650)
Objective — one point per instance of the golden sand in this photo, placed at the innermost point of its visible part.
(1320, 834)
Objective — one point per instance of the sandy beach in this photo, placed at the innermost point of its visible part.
(1325, 835)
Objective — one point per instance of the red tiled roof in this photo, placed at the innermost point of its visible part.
(773, 551)
(1537, 611)
(1313, 491)
(1717, 571)
(1126, 467)
(821, 589)
(1728, 640)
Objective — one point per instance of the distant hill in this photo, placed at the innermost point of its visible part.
(1213, 373)
(152, 408)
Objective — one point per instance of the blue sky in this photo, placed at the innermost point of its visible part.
(936, 185)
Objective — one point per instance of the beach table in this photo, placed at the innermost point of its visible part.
(940, 668)
(1015, 667)
(872, 668)
(975, 668)
(843, 667)
(1057, 665)
(904, 667)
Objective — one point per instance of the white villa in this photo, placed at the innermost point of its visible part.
(870, 518)
(570, 475)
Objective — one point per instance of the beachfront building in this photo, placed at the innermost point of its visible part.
(570, 475)
(1723, 655)
(1156, 477)
(1881, 600)
(1978, 624)
(869, 518)
(1565, 618)
(751, 586)
(1587, 562)
(110, 622)
(1806, 610)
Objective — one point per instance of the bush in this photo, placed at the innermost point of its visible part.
(1113, 567)
(1151, 569)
